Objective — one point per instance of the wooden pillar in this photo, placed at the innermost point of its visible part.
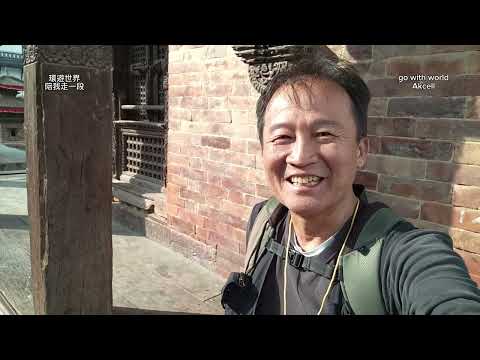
(69, 177)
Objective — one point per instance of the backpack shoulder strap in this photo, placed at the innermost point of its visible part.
(360, 282)
(260, 233)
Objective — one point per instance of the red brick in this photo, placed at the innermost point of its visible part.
(175, 101)
(257, 176)
(472, 261)
(263, 191)
(240, 116)
(232, 256)
(455, 173)
(172, 210)
(447, 107)
(212, 191)
(241, 89)
(434, 49)
(467, 153)
(176, 68)
(173, 197)
(465, 240)
(383, 126)
(175, 179)
(193, 67)
(215, 116)
(243, 212)
(241, 186)
(220, 129)
(402, 206)
(423, 149)
(366, 178)
(396, 166)
(216, 142)
(192, 195)
(201, 234)
(377, 107)
(436, 213)
(215, 239)
(374, 144)
(476, 279)
(214, 179)
(465, 85)
(404, 66)
(466, 219)
(446, 64)
(238, 145)
(222, 217)
(416, 189)
(224, 267)
(386, 51)
(236, 197)
(195, 174)
(174, 148)
(214, 167)
(473, 63)
(211, 223)
(177, 159)
(254, 147)
(215, 89)
(240, 103)
(194, 102)
(473, 108)
(196, 163)
(179, 114)
(216, 103)
(190, 217)
(239, 172)
(445, 129)
(181, 226)
(466, 196)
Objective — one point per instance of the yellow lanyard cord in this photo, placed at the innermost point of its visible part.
(334, 270)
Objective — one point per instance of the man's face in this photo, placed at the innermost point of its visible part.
(310, 148)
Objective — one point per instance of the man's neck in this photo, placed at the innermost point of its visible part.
(315, 230)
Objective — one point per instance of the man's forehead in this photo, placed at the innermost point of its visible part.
(308, 95)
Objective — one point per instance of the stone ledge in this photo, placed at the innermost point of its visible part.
(139, 194)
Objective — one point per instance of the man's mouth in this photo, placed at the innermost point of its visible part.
(309, 180)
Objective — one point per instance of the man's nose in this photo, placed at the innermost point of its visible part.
(304, 152)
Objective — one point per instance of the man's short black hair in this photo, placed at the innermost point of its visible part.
(340, 72)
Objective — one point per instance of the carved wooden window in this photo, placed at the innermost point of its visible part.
(140, 80)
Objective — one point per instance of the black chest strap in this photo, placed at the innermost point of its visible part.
(299, 261)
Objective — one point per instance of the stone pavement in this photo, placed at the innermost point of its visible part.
(148, 278)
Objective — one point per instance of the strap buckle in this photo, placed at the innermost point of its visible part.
(295, 259)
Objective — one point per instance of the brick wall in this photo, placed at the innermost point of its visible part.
(424, 159)
(425, 155)
(214, 169)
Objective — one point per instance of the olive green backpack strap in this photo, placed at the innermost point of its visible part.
(360, 281)
(260, 233)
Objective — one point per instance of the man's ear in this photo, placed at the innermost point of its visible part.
(362, 152)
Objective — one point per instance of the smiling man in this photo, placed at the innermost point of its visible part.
(345, 255)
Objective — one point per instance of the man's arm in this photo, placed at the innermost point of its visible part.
(421, 274)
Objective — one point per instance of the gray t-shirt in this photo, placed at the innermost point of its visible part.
(305, 289)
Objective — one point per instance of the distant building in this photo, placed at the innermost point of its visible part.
(11, 97)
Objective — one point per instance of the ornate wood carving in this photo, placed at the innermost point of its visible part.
(265, 61)
(96, 56)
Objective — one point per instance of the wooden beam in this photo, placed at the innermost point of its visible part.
(69, 183)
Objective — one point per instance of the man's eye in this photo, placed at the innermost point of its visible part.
(324, 133)
(281, 139)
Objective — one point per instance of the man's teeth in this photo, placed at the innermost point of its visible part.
(304, 179)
